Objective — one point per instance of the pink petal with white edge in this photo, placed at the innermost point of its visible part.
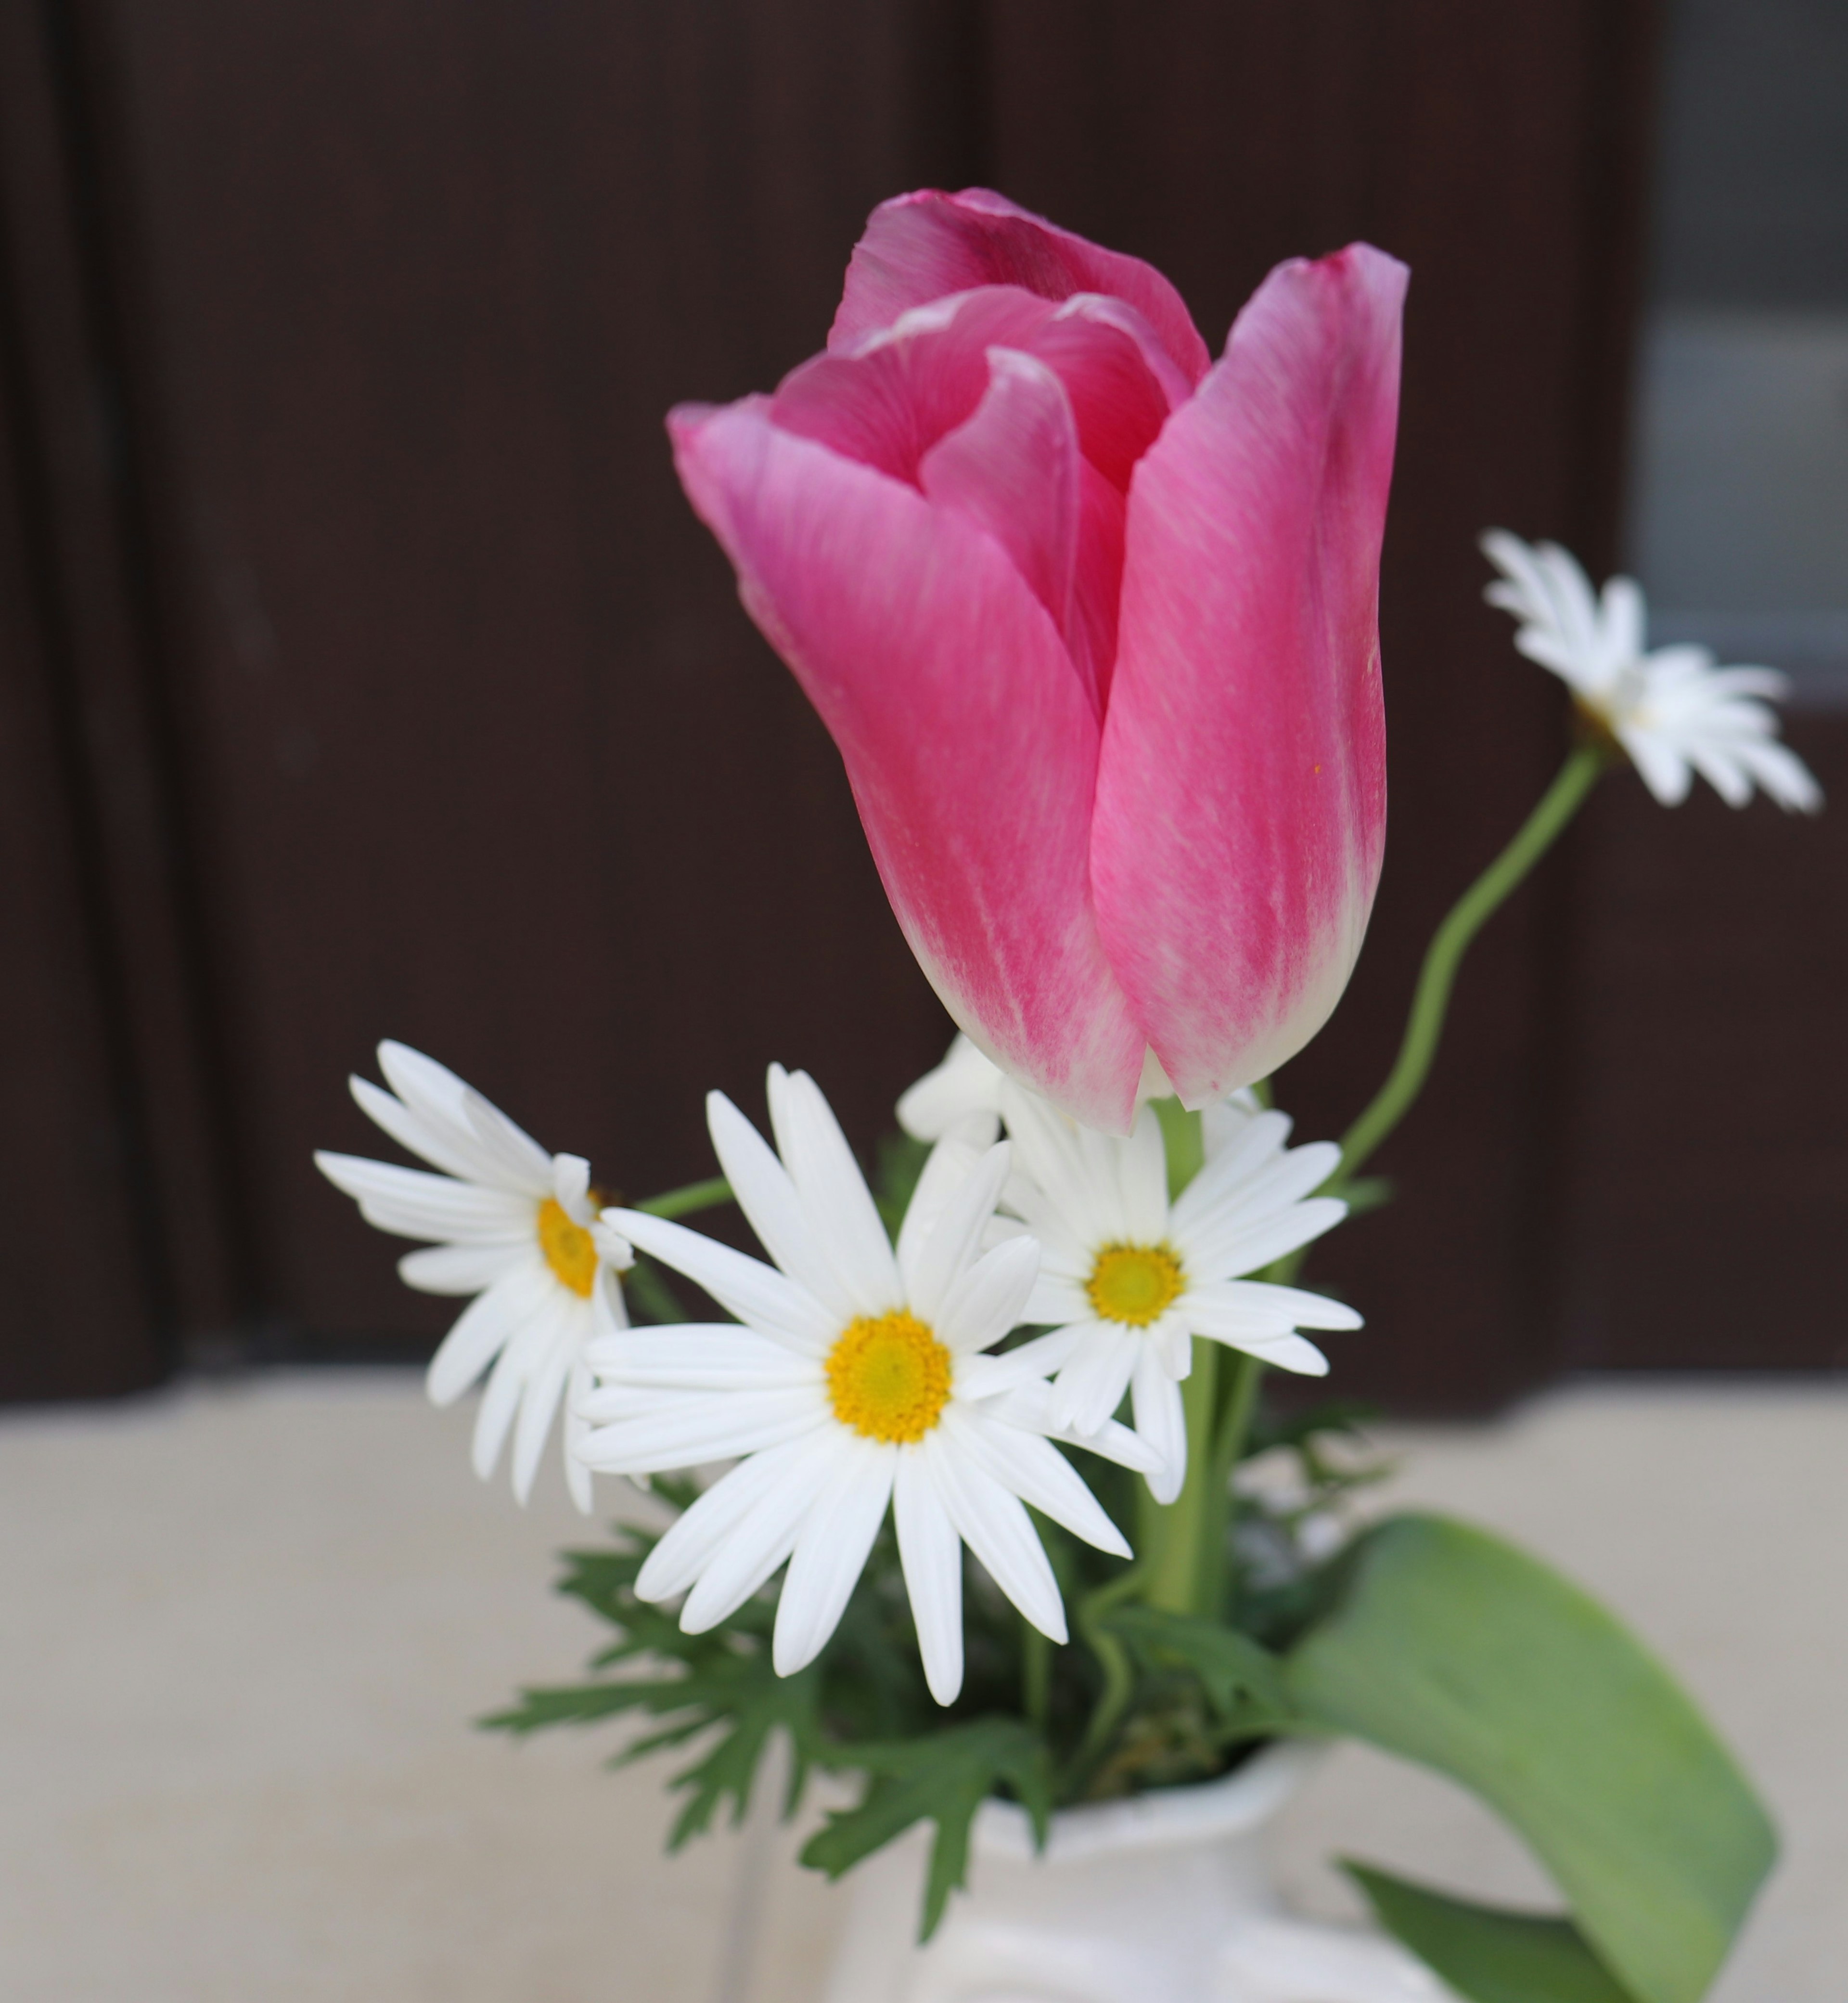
(917, 247)
(1241, 799)
(969, 743)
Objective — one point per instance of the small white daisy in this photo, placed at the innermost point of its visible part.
(1128, 1279)
(512, 1225)
(1673, 711)
(856, 1380)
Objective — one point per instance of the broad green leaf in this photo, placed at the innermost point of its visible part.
(1452, 1648)
(944, 1777)
(1486, 1954)
(1241, 1679)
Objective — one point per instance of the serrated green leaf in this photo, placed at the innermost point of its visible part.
(1486, 1953)
(1240, 1677)
(745, 1708)
(1450, 1647)
(943, 1777)
(584, 1704)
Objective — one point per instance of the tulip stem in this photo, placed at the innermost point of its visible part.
(689, 1197)
(1471, 912)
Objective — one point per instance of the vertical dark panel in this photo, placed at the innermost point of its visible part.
(1709, 1136)
(103, 978)
(81, 1307)
(482, 753)
(1491, 149)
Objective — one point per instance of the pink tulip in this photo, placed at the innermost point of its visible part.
(1093, 620)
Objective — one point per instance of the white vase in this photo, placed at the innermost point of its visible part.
(1165, 1898)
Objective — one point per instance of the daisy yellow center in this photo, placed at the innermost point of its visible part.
(1136, 1284)
(570, 1250)
(889, 1377)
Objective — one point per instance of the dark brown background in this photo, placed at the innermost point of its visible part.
(366, 674)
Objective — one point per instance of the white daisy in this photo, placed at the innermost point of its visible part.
(857, 1379)
(512, 1225)
(1128, 1279)
(1673, 711)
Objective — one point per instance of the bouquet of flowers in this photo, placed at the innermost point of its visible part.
(1092, 619)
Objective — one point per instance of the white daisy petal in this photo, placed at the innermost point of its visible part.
(989, 1376)
(757, 1294)
(1288, 1352)
(1090, 1387)
(1783, 776)
(484, 1325)
(764, 1538)
(436, 1095)
(700, 1356)
(708, 1425)
(544, 1389)
(988, 1300)
(1055, 1299)
(947, 1168)
(570, 1187)
(830, 1553)
(948, 1237)
(438, 1145)
(1223, 1250)
(690, 1542)
(1028, 1465)
(771, 1207)
(932, 1554)
(1030, 1407)
(1142, 1176)
(461, 1269)
(996, 1527)
(526, 1348)
(829, 1181)
(413, 1204)
(1047, 1151)
(577, 1476)
(1663, 769)
(1161, 1423)
(1273, 1309)
(960, 1097)
(1260, 1142)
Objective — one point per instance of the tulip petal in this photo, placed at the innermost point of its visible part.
(1013, 469)
(918, 247)
(887, 404)
(969, 743)
(1120, 380)
(1241, 801)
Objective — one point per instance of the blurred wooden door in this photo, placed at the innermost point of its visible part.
(392, 688)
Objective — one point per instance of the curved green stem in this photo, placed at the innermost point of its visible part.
(1113, 1660)
(689, 1197)
(1471, 912)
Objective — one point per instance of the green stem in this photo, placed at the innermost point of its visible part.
(690, 1196)
(1237, 1403)
(1542, 828)
(1184, 1562)
(1035, 1674)
(1113, 1662)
